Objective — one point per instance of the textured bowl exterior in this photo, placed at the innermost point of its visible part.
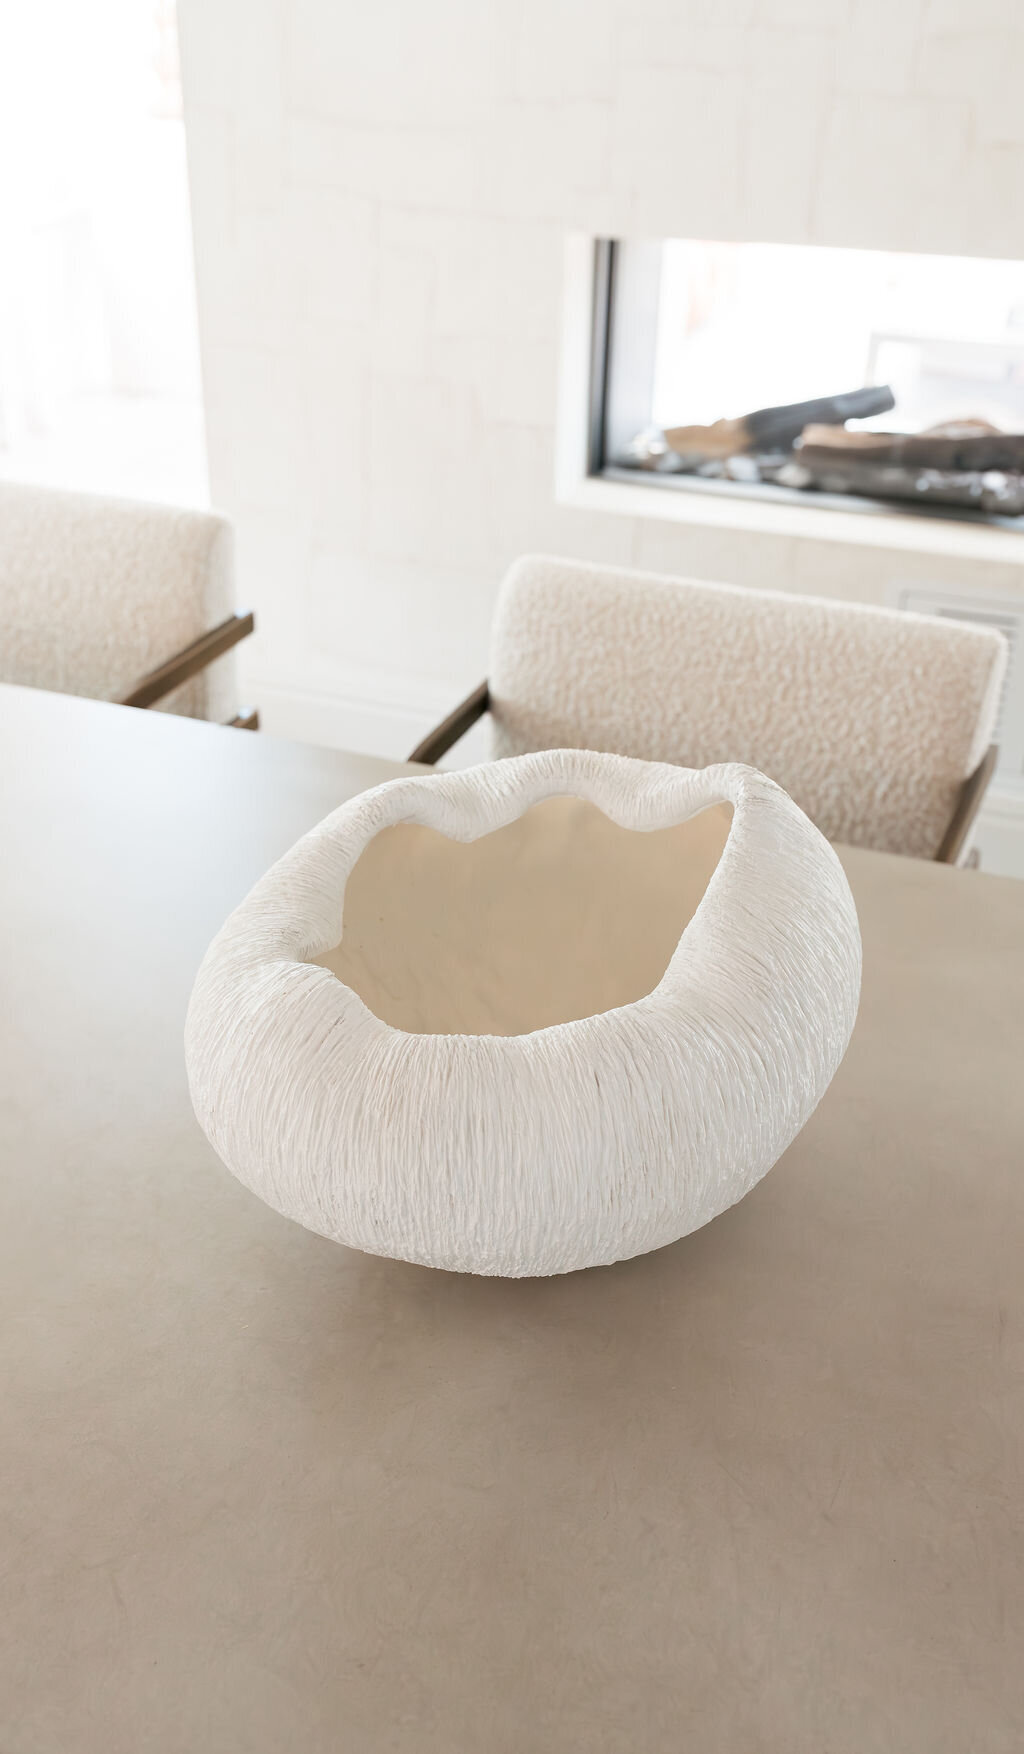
(573, 1146)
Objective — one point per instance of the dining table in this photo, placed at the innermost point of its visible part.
(760, 1492)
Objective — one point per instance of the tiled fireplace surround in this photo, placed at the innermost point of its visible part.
(381, 202)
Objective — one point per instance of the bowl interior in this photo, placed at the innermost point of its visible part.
(559, 915)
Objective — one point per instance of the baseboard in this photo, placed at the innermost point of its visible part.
(347, 717)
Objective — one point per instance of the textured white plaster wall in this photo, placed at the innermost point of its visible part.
(380, 198)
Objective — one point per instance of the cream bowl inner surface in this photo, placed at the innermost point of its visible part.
(559, 915)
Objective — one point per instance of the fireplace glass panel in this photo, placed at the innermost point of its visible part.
(911, 367)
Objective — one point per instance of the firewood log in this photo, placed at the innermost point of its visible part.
(823, 446)
(770, 429)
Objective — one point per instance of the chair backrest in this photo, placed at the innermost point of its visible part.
(96, 592)
(870, 718)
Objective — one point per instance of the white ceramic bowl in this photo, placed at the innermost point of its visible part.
(542, 1014)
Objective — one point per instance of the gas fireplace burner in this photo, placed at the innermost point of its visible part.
(964, 464)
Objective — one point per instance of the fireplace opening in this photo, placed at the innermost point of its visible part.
(865, 379)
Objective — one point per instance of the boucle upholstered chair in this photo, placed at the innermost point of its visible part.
(120, 601)
(878, 723)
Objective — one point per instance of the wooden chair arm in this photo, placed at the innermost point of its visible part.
(967, 805)
(190, 661)
(442, 738)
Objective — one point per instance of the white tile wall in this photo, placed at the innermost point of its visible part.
(380, 197)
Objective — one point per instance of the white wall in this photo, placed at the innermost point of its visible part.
(380, 198)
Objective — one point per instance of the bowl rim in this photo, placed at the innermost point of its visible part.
(633, 793)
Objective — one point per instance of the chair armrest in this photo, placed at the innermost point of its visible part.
(967, 805)
(438, 741)
(190, 661)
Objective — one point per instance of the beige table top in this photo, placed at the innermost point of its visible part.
(759, 1493)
